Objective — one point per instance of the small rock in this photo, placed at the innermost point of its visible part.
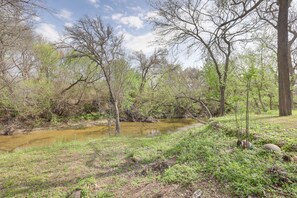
(134, 159)
(272, 147)
(197, 194)
(245, 144)
(257, 136)
(75, 194)
(294, 159)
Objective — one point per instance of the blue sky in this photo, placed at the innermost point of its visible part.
(127, 17)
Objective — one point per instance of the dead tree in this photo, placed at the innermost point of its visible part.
(146, 65)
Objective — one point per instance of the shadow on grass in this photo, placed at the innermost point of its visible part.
(47, 185)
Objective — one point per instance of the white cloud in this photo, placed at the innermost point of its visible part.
(131, 21)
(68, 24)
(136, 9)
(143, 42)
(108, 8)
(36, 18)
(64, 14)
(48, 32)
(106, 17)
(116, 16)
(95, 3)
(151, 15)
(147, 44)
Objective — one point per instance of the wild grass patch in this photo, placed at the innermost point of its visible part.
(211, 152)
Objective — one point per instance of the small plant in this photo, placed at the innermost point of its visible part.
(181, 174)
(85, 185)
(104, 195)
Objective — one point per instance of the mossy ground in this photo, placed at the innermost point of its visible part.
(170, 165)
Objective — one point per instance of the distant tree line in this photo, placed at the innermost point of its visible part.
(90, 71)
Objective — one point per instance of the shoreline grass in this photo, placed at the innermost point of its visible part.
(168, 165)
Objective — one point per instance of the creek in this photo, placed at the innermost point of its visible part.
(47, 137)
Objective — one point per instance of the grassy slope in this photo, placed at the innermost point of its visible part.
(199, 158)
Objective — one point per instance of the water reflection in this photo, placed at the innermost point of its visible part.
(153, 132)
(41, 138)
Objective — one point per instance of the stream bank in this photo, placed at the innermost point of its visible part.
(89, 130)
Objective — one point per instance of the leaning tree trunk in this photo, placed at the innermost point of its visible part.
(260, 100)
(117, 117)
(222, 100)
(285, 102)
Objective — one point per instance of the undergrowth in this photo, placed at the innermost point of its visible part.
(213, 152)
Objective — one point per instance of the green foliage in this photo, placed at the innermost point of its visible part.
(211, 79)
(213, 151)
(85, 185)
(181, 174)
(48, 58)
(91, 116)
(104, 195)
(240, 172)
(31, 99)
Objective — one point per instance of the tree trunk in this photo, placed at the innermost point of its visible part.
(117, 118)
(292, 76)
(270, 102)
(222, 100)
(285, 102)
(260, 100)
(247, 113)
(257, 106)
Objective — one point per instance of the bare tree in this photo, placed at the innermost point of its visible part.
(147, 65)
(16, 39)
(212, 26)
(90, 38)
(15, 24)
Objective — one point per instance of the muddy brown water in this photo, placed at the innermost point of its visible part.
(47, 137)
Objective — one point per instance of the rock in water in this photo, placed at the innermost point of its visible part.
(197, 194)
(272, 147)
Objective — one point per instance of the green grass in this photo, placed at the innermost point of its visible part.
(117, 166)
(98, 167)
(213, 153)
